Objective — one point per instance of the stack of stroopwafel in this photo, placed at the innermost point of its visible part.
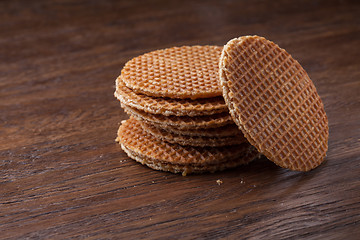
(179, 120)
(180, 98)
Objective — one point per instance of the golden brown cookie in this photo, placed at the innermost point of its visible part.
(181, 122)
(229, 130)
(199, 141)
(273, 101)
(177, 72)
(169, 106)
(160, 155)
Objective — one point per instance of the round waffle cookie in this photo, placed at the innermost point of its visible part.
(160, 155)
(229, 130)
(177, 72)
(181, 122)
(200, 141)
(273, 101)
(168, 106)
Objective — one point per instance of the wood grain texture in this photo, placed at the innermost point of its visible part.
(63, 175)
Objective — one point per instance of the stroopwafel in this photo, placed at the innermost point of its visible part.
(229, 130)
(169, 106)
(181, 122)
(200, 141)
(177, 72)
(273, 101)
(160, 155)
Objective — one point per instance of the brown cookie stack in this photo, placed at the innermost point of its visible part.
(179, 120)
(179, 100)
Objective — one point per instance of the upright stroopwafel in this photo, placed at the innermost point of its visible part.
(168, 106)
(181, 122)
(178, 72)
(200, 141)
(273, 101)
(160, 155)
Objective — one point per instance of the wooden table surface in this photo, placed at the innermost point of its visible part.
(63, 175)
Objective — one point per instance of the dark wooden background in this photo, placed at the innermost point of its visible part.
(63, 175)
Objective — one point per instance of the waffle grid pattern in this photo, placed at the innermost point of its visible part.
(274, 102)
(178, 72)
(132, 136)
(169, 106)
